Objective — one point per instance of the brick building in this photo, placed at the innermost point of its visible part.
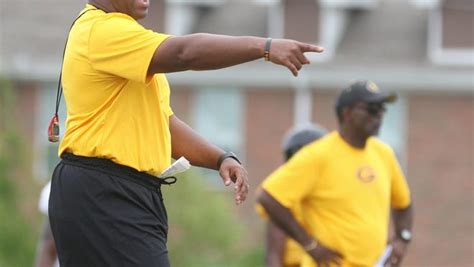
(423, 49)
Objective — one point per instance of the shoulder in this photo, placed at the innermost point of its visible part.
(117, 22)
(381, 147)
(98, 26)
(318, 149)
(324, 144)
(114, 30)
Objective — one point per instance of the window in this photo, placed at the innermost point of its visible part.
(450, 31)
(182, 16)
(393, 130)
(218, 116)
(326, 22)
(218, 16)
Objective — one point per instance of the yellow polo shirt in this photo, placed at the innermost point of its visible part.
(114, 110)
(345, 194)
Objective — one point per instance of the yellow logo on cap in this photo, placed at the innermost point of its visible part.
(372, 87)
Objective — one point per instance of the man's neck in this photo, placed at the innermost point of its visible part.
(102, 5)
(352, 138)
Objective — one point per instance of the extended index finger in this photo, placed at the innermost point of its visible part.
(312, 48)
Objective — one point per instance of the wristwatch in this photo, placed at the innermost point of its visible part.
(313, 245)
(228, 154)
(405, 235)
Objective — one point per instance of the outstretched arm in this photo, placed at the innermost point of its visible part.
(186, 142)
(284, 219)
(203, 51)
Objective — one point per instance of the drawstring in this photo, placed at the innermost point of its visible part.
(168, 180)
(165, 180)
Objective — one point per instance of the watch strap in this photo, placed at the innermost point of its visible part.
(226, 155)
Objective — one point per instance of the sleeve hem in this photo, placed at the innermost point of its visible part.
(160, 39)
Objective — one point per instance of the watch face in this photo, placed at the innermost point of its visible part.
(406, 235)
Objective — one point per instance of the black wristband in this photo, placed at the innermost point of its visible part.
(227, 155)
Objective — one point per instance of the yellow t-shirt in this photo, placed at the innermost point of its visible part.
(114, 110)
(345, 193)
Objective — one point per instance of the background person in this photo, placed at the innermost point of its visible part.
(46, 255)
(106, 207)
(282, 251)
(346, 183)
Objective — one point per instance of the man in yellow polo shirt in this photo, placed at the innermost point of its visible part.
(346, 183)
(281, 251)
(106, 207)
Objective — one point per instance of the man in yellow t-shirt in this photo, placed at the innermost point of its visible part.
(281, 251)
(346, 183)
(106, 207)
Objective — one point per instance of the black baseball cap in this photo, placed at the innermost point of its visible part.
(300, 136)
(363, 91)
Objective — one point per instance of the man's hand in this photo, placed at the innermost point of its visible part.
(399, 248)
(232, 171)
(290, 53)
(325, 256)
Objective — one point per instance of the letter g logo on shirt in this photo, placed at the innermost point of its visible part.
(366, 174)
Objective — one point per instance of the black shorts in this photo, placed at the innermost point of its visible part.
(105, 214)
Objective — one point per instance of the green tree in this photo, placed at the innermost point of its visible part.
(17, 248)
(204, 230)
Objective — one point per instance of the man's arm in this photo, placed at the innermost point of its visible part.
(275, 245)
(284, 219)
(203, 51)
(186, 142)
(403, 220)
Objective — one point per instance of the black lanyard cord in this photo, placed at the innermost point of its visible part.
(53, 128)
(59, 91)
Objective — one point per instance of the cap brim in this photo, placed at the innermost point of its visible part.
(383, 98)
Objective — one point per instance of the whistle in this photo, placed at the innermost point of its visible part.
(53, 130)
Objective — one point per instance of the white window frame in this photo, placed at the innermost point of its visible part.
(396, 134)
(303, 102)
(439, 54)
(334, 19)
(180, 15)
(350, 4)
(240, 143)
(436, 52)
